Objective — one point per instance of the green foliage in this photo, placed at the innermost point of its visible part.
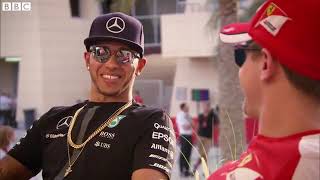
(122, 6)
(251, 10)
(119, 5)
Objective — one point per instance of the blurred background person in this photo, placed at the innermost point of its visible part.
(6, 138)
(11, 112)
(5, 108)
(216, 128)
(184, 122)
(206, 122)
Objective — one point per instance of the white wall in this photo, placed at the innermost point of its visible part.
(8, 77)
(65, 77)
(187, 35)
(161, 70)
(158, 67)
(193, 74)
(191, 42)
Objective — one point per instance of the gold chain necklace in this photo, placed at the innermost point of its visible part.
(97, 131)
(69, 170)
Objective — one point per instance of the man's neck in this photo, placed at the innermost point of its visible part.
(288, 114)
(112, 98)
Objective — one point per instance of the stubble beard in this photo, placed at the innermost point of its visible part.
(118, 93)
(249, 111)
(245, 108)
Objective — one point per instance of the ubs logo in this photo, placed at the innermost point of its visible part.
(102, 145)
(115, 25)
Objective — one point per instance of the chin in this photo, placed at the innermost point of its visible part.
(110, 93)
(107, 91)
(249, 111)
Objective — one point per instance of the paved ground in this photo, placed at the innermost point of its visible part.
(213, 161)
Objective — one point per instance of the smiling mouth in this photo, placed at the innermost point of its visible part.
(110, 77)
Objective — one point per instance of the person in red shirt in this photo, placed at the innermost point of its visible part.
(277, 52)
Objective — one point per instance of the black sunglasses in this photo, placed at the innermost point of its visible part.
(123, 55)
(240, 54)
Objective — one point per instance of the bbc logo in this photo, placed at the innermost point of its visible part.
(16, 6)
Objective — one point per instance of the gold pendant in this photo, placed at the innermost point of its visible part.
(68, 170)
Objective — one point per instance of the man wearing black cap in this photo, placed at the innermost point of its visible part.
(108, 136)
(277, 53)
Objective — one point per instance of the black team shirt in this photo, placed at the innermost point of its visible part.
(140, 137)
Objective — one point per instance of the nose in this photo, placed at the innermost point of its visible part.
(112, 63)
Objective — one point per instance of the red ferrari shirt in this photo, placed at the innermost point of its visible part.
(296, 157)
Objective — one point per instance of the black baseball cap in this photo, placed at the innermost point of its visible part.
(117, 27)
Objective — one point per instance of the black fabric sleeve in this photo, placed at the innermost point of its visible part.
(28, 150)
(156, 147)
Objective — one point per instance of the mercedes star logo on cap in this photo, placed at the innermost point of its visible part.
(115, 25)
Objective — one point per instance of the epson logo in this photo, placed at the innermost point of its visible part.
(165, 137)
(16, 6)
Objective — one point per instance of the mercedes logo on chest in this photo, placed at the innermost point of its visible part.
(64, 122)
(115, 25)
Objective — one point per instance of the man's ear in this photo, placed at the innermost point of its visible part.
(141, 64)
(269, 65)
(86, 57)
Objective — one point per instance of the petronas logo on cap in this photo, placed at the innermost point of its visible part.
(116, 121)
